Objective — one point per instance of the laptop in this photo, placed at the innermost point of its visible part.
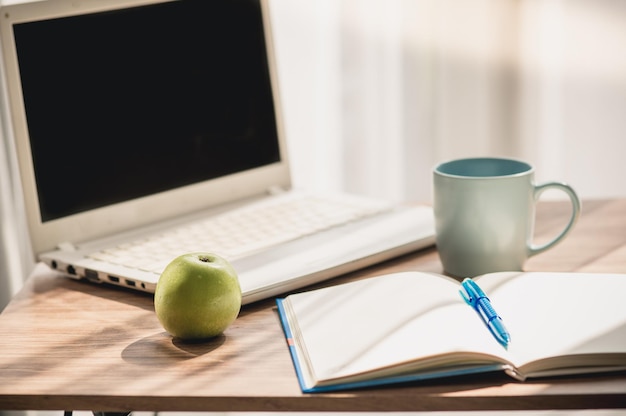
(130, 117)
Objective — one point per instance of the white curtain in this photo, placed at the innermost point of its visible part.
(375, 92)
(16, 258)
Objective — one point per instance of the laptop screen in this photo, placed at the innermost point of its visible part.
(128, 103)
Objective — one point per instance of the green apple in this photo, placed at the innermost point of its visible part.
(197, 296)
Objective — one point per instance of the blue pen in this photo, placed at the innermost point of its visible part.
(475, 297)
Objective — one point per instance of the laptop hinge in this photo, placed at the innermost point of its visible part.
(276, 190)
(66, 246)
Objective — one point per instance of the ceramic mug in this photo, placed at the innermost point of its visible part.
(485, 212)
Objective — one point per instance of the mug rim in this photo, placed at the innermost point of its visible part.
(528, 168)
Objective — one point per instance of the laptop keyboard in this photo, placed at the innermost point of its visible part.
(242, 231)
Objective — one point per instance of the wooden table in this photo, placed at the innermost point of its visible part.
(73, 345)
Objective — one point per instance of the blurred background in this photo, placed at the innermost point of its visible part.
(375, 93)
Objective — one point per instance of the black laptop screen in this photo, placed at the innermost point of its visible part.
(128, 103)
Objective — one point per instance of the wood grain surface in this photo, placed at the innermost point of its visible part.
(71, 345)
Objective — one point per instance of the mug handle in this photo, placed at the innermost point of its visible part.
(539, 189)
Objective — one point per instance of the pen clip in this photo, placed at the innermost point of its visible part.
(469, 292)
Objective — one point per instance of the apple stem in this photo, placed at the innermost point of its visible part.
(205, 259)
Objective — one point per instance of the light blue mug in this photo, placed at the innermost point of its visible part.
(485, 214)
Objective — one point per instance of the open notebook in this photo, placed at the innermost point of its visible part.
(132, 116)
(411, 326)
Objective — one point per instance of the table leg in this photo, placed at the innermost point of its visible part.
(69, 413)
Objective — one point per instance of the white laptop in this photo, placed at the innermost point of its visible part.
(133, 116)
